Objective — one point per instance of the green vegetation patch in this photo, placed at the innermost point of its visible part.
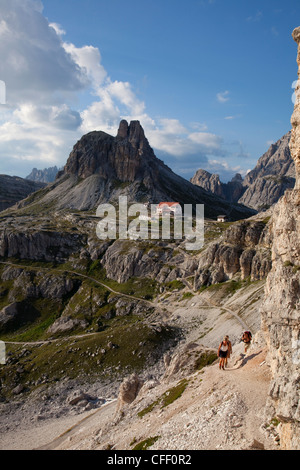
(125, 347)
(142, 288)
(205, 359)
(167, 398)
(176, 284)
(47, 311)
(229, 287)
(187, 295)
(144, 445)
(214, 230)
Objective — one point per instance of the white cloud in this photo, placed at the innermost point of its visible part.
(206, 139)
(101, 115)
(58, 29)
(34, 64)
(171, 137)
(223, 96)
(122, 92)
(88, 59)
(199, 126)
(60, 117)
(27, 136)
(3, 28)
(224, 169)
(42, 80)
(44, 77)
(172, 126)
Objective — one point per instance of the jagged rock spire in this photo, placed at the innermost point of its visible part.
(123, 130)
(133, 131)
(295, 120)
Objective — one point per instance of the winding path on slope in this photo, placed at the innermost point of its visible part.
(237, 317)
(131, 297)
(38, 268)
(231, 312)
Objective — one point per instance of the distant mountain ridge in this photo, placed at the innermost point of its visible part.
(231, 191)
(263, 186)
(14, 189)
(102, 167)
(47, 175)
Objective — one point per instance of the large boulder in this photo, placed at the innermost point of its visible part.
(129, 390)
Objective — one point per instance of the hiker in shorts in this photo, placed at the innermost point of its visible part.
(222, 353)
(246, 338)
(229, 350)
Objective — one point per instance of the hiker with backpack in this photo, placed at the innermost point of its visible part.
(246, 338)
(222, 353)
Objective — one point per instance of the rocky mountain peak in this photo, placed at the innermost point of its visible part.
(237, 178)
(275, 162)
(120, 158)
(262, 186)
(133, 132)
(230, 191)
(47, 175)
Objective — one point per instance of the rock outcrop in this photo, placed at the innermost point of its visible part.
(67, 324)
(9, 315)
(128, 392)
(263, 186)
(280, 310)
(28, 292)
(244, 248)
(189, 359)
(271, 177)
(40, 245)
(231, 191)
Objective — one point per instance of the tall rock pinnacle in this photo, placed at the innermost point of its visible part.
(295, 120)
(134, 132)
(123, 130)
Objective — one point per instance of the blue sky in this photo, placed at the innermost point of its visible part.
(210, 80)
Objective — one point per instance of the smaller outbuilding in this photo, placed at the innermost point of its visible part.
(222, 218)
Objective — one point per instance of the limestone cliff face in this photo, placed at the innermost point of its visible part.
(40, 244)
(244, 248)
(273, 174)
(280, 310)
